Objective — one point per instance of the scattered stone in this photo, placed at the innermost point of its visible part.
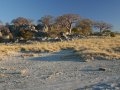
(102, 69)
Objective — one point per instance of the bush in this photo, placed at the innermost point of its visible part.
(106, 33)
(41, 34)
(53, 33)
(75, 30)
(26, 34)
(112, 34)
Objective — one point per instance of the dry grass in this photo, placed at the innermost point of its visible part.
(3, 75)
(108, 47)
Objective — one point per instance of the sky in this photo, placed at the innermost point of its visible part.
(98, 10)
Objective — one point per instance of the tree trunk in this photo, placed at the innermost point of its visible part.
(70, 30)
(100, 30)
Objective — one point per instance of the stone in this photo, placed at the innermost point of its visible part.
(102, 69)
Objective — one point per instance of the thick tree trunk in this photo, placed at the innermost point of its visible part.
(70, 30)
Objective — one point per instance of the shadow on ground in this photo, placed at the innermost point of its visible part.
(102, 86)
(63, 55)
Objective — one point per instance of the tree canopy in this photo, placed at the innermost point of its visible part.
(52, 26)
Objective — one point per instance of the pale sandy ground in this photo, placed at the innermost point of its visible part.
(51, 71)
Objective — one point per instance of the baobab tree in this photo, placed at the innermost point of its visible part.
(67, 21)
(21, 21)
(102, 26)
(47, 21)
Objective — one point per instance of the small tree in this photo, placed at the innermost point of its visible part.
(85, 26)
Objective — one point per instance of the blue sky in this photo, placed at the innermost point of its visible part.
(99, 10)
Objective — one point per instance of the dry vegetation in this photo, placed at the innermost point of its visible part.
(91, 48)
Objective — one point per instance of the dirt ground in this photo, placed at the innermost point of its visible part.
(52, 71)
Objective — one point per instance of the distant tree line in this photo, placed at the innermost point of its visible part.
(48, 26)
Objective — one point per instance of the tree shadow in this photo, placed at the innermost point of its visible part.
(57, 56)
(98, 86)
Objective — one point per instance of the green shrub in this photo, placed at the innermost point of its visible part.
(26, 34)
(75, 30)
